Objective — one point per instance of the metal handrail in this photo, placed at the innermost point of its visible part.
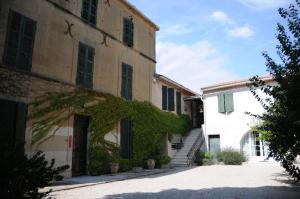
(190, 155)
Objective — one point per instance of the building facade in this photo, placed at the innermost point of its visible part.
(105, 45)
(226, 124)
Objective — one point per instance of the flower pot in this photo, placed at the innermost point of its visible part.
(151, 164)
(114, 168)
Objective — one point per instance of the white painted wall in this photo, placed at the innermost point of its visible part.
(230, 126)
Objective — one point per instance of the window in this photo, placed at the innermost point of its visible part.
(126, 139)
(128, 29)
(19, 42)
(126, 90)
(89, 11)
(12, 124)
(85, 66)
(165, 98)
(178, 103)
(168, 102)
(225, 103)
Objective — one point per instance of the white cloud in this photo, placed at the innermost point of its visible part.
(241, 32)
(176, 29)
(194, 65)
(220, 17)
(264, 4)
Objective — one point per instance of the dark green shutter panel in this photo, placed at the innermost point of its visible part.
(229, 105)
(221, 103)
(128, 30)
(178, 102)
(126, 139)
(89, 11)
(19, 41)
(126, 89)
(164, 98)
(20, 126)
(171, 102)
(8, 110)
(85, 66)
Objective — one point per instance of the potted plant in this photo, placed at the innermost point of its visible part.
(114, 163)
(164, 161)
(151, 163)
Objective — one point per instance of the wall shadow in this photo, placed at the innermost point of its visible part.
(266, 192)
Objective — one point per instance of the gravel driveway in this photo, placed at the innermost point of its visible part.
(253, 180)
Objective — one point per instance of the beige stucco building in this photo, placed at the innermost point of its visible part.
(62, 44)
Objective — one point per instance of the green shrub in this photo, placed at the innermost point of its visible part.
(208, 162)
(162, 160)
(99, 161)
(230, 157)
(125, 165)
(22, 177)
(202, 157)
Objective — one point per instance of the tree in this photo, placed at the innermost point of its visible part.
(280, 126)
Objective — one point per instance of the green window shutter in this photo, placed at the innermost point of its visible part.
(171, 99)
(221, 103)
(85, 66)
(126, 139)
(19, 41)
(89, 11)
(178, 103)
(126, 88)
(229, 105)
(164, 98)
(128, 29)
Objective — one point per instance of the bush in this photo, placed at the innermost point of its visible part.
(99, 161)
(230, 157)
(162, 159)
(22, 177)
(203, 158)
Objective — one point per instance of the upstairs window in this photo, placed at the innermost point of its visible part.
(128, 29)
(225, 103)
(178, 103)
(168, 102)
(89, 11)
(126, 90)
(19, 44)
(85, 66)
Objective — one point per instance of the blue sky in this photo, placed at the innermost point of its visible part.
(203, 42)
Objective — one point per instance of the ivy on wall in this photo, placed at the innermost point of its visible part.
(51, 110)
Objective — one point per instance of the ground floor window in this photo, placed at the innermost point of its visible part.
(252, 146)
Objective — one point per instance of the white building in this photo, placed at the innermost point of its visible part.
(225, 123)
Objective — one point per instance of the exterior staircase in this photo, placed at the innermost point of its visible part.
(185, 156)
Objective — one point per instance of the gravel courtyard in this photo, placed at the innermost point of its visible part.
(253, 180)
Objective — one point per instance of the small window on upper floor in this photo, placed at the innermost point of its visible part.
(168, 102)
(19, 44)
(225, 102)
(89, 11)
(126, 87)
(128, 30)
(85, 66)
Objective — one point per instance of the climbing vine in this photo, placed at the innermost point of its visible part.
(51, 110)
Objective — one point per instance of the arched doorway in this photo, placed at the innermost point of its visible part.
(253, 147)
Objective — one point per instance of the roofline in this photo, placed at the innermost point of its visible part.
(139, 13)
(170, 81)
(234, 84)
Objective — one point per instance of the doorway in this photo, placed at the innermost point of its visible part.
(214, 144)
(79, 154)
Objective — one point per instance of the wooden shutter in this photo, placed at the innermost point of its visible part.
(128, 30)
(89, 11)
(126, 88)
(85, 66)
(126, 139)
(164, 98)
(178, 103)
(171, 99)
(221, 103)
(19, 41)
(229, 105)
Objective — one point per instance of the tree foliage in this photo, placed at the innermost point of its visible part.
(281, 121)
